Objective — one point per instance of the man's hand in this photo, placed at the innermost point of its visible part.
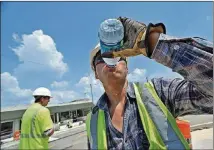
(49, 132)
(137, 38)
(153, 39)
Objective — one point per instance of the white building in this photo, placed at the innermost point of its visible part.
(11, 116)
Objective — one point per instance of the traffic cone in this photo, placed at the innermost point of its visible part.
(16, 135)
(184, 127)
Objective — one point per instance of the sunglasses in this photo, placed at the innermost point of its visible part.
(98, 59)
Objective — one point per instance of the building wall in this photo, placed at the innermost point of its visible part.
(17, 114)
(56, 115)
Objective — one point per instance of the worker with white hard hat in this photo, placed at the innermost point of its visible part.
(37, 125)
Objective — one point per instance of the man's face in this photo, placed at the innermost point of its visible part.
(45, 100)
(108, 75)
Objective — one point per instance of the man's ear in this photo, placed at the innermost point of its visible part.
(96, 76)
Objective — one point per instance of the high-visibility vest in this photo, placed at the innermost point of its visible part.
(159, 124)
(32, 136)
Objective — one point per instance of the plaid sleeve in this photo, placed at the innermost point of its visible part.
(193, 59)
(182, 98)
(190, 57)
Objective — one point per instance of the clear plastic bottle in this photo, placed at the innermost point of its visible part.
(111, 33)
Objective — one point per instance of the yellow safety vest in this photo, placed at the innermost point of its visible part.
(35, 121)
(159, 124)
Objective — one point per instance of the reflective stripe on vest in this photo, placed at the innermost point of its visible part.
(159, 124)
(152, 133)
(31, 134)
(96, 127)
(163, 120)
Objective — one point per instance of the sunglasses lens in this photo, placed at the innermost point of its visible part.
(109, 61)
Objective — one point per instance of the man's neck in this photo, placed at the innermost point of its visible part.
(39, 103)
(116, 95)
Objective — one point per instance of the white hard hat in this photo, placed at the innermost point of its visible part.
(42, 92)
(93, 54)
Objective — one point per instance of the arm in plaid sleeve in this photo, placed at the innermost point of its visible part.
(193, 59)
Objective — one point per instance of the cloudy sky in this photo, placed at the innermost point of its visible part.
(48, 44)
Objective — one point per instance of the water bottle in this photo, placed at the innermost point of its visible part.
(111, 33)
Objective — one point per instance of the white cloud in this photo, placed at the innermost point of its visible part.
(88, 80)
(89, 83)
(10, 84)
(11, 93)
(137, 75)
(60, 85)
(16, 37)
(62, 96)
(38, 52)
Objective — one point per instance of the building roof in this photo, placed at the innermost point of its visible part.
(24, 107)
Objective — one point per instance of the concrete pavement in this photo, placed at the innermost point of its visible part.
(202, 139)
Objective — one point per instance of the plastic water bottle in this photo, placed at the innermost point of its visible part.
(111, 33)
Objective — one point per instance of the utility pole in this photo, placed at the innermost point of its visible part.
(85, 94)
(91, 93)
(147, 79)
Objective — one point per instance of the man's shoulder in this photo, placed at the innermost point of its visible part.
(43, 110)
(102, 102)
(34, 106)
(130, 89)
(94, 109)
(43, 114)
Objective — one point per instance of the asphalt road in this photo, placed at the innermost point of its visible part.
(80, 143)
(73, 139)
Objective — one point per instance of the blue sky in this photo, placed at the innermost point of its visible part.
(48, 43)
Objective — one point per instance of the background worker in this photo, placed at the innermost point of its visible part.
(142, 116)
(37, 125)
